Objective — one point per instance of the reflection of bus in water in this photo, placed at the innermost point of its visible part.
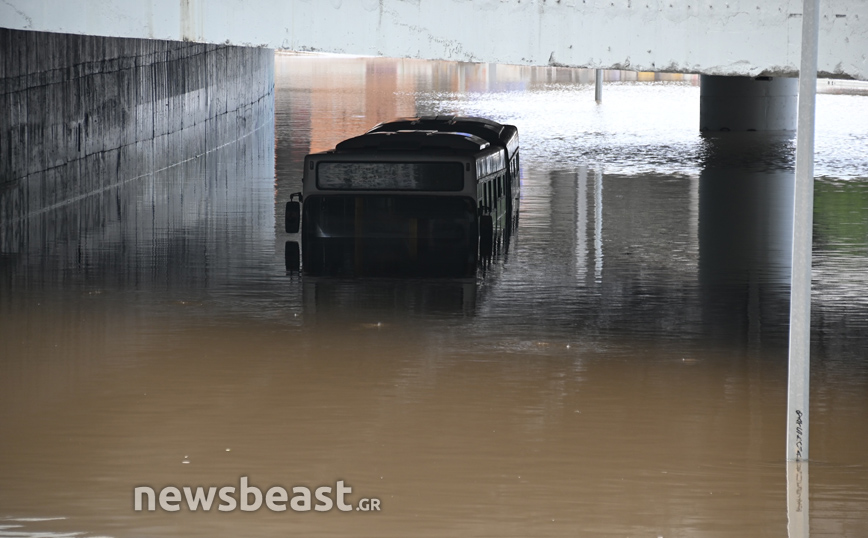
(376, 302)
(430, 197)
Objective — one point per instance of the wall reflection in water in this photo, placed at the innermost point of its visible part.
(621, 372)
(157, 231)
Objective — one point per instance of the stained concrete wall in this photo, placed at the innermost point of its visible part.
(82, 115)
(712, 37)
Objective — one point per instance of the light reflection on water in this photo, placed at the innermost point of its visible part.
(620, 371)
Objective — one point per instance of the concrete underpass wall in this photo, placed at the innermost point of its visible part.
(81, 115)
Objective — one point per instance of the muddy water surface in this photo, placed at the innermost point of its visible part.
(619, 371)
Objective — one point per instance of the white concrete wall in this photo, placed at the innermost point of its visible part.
(715, 37)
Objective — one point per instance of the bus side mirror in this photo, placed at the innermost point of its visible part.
(292, 257)
(293, 217)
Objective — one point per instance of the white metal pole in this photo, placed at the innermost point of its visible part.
(798, 382)
(598, 86)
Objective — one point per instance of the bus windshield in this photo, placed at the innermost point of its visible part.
(393, 176)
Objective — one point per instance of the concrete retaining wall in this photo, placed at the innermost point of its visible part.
(80, 115)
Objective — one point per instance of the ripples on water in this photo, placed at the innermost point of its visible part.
(620, 370)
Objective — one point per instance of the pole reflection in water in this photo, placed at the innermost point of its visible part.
(553, 395)
(598, 223)
(798, 519)
(582, 221)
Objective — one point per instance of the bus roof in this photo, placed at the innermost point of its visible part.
(413, 140)
(497, 134)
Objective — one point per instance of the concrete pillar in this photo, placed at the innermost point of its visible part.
(747, 104)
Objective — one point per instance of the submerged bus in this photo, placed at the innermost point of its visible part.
(424, 197)
(504, 206)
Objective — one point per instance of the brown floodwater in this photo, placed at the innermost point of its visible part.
(619, 370)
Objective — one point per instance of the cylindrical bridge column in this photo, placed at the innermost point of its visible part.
(747, 104)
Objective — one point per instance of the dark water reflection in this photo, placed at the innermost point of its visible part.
(620, 371)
